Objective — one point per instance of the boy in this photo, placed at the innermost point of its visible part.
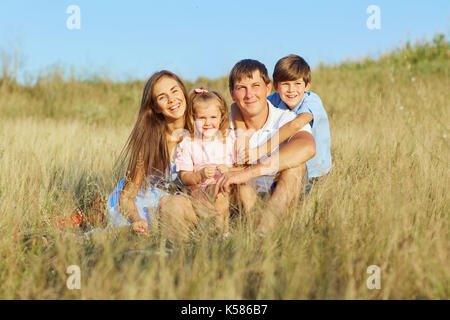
(292, 80)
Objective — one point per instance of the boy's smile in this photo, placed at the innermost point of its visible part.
(291, 92)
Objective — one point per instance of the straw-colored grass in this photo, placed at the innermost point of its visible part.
(384, 203)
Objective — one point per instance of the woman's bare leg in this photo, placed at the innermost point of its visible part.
(177, 217)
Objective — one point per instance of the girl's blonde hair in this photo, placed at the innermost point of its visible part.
(203, 95)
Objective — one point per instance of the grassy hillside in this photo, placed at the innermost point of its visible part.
(384, 203)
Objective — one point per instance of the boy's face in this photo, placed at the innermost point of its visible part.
(291, 92)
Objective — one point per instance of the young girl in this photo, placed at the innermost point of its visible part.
(207, 152)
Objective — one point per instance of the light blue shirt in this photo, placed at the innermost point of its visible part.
(321, 163)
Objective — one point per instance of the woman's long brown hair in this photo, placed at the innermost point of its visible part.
(147, 143)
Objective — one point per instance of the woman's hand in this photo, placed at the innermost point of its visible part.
(140, 226)
(208, 172)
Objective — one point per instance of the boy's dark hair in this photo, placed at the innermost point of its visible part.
(246, 68)
(290, 68)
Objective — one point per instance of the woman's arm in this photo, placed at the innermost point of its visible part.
(129, 193)
(285, 132)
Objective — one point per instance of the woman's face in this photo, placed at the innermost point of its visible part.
(169, 97)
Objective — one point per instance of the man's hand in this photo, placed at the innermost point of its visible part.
(208, 172)
(229, 178)
(140, 226)
(222, 168)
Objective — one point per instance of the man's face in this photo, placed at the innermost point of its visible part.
(291, 92)
(250, 94)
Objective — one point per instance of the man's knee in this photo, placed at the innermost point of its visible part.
(292, 177)
(247, 193)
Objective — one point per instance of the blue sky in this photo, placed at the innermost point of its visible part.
(132, 39)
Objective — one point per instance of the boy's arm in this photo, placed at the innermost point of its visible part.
(285, 132)
(242, 138)
(238, 120)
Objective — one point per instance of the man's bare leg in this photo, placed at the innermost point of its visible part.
(287, 191)
(248, 198)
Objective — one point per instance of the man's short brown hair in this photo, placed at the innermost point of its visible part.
(245, 68)
(290, 68)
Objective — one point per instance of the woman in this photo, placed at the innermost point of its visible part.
(151, 181)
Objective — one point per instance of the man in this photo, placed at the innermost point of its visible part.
(284, 169)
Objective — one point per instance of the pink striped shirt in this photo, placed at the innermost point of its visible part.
(196, 154)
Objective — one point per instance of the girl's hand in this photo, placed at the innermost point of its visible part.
(208, 172)
(222, 168)
(140, 226)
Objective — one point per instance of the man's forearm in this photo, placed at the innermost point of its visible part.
(293, 153)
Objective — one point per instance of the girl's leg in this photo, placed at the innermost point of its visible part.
(203, 205)
(177, 217)
(222, 205)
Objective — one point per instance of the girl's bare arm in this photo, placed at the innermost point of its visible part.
(190, 178)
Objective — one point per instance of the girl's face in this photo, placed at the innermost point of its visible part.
(207, 118)
(170, 100)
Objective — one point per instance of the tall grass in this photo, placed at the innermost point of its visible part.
(384, 203)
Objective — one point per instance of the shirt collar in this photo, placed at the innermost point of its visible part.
(270, 116)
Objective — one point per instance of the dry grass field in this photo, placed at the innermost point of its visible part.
(385, 202)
